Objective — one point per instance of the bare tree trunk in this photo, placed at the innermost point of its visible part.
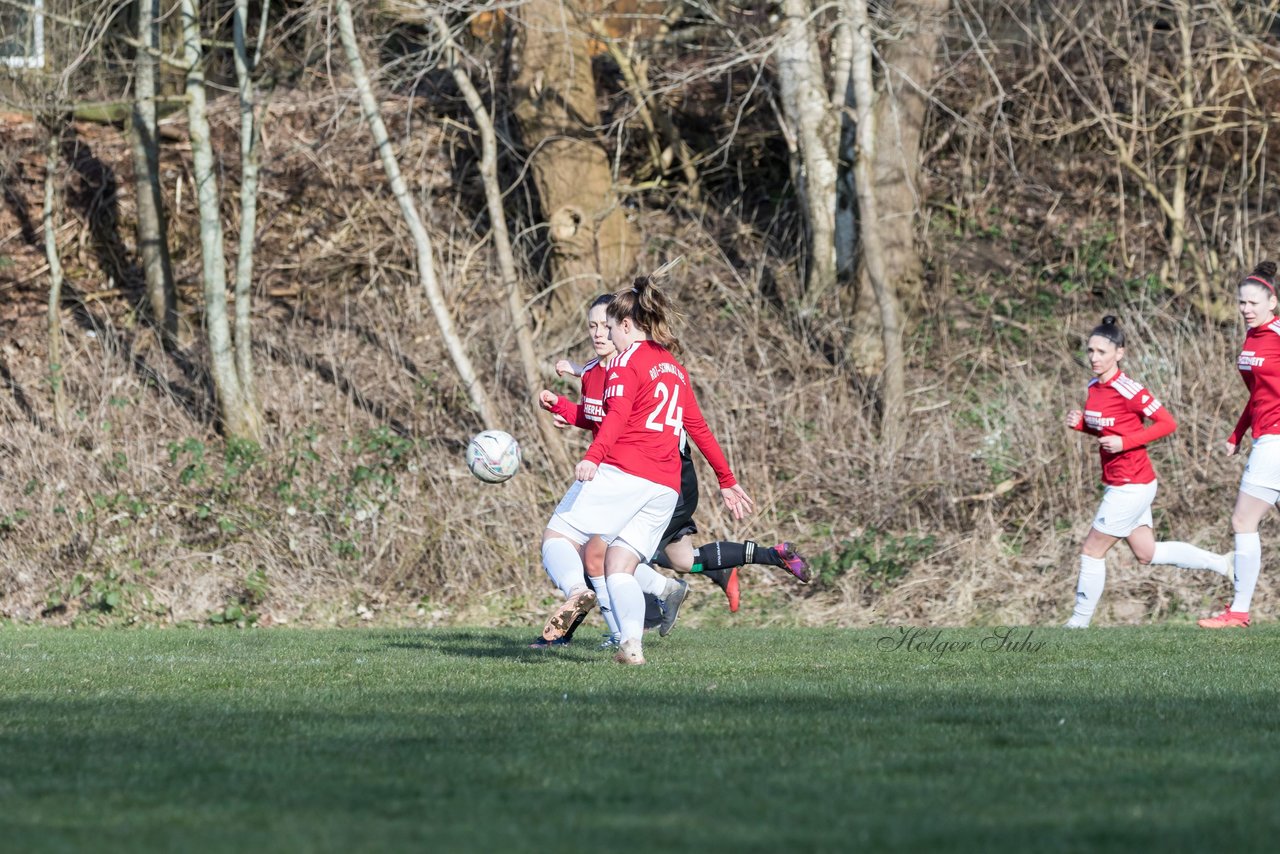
(502, 242)
(1181, 165)
(807, 107)
(422, 240)
(1178, 221)
(872, 250)
(908, 71)
(846, 221)
(153, 231)
(909, 66)
(248, 202)
(593, 244)
(240, 415)
(53, 154)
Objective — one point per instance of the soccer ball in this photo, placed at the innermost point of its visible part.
(493, 456)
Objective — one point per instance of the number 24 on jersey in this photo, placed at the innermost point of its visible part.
(668, 400)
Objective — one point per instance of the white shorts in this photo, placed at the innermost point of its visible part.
(1125, 508)
(1261, 476)
(620, 508)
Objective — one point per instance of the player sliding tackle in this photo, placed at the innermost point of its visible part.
(718, 561)
(628, 483)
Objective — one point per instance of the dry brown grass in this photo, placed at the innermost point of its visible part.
(434, 545)
(382, 523)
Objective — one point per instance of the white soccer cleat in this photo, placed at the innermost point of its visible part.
(630, 652)
(1076, 623)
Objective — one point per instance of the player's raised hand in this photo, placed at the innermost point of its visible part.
(585, 470)
(736, 501)
(564, 366)
(547, 399)
(1074, 417)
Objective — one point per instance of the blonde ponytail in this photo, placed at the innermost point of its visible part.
(649, 309)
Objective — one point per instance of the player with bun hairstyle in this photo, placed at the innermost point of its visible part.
(1114, 411)
(579, 600)
(718, 561)
(628, 482)
(1259, 366)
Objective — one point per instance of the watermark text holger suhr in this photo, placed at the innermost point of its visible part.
(933, 642)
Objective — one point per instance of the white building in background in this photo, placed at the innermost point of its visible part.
(22, 34)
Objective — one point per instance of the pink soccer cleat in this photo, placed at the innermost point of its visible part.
(794, 562)
(1228, 619)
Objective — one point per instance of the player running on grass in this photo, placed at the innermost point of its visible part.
(1259, 365)
(629, 479)
(719, 561)
(1114, 412)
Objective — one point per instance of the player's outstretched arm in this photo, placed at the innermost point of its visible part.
(695, 426)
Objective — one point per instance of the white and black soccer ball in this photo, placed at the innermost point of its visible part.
(493, 456)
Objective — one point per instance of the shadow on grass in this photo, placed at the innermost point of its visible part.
(486, 644)
(771, 741)
(365, 766)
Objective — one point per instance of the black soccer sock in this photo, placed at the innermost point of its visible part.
(663, 561)
(726, 555)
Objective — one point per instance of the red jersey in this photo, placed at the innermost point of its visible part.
(590, 413)
(1259, 364)
(1116, 408)
(648, 406)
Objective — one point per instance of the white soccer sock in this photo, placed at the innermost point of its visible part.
(1248, 565)
(563, 563)
(628, 604)
(1187, 556)
(1093, 578)
(651, 581)
(606, 604)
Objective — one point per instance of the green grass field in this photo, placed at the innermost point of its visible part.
(730, 740)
